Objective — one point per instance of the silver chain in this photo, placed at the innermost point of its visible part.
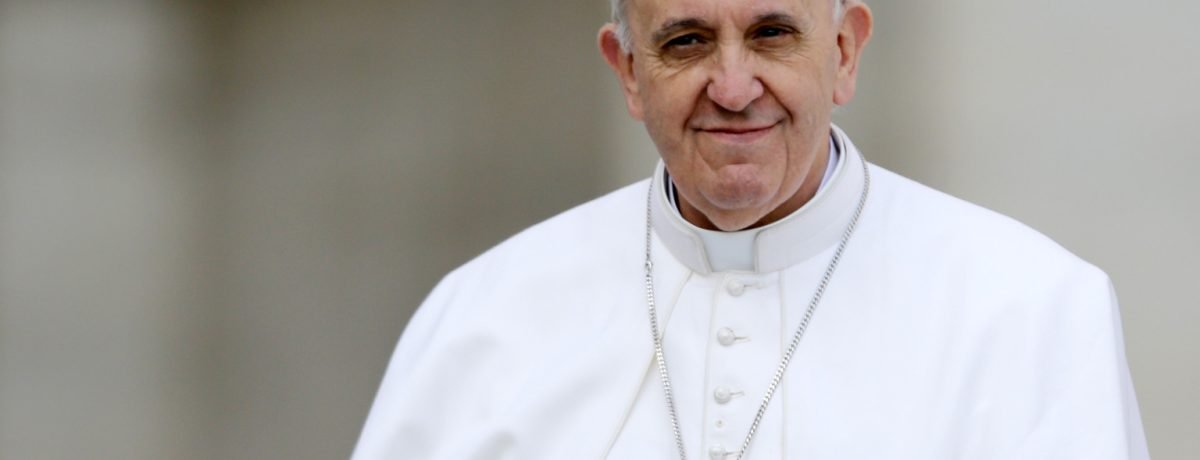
(787, 355)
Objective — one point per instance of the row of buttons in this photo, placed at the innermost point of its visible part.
(726, 337)
(723, 394)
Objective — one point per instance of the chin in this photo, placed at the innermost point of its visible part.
(740, 195)
(735, 221)
(738, 214)
(738, 205)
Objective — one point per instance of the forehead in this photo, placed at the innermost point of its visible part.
(654, 13)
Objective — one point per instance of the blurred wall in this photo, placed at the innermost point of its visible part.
(104, 182)
(216, 216)
(374, 146)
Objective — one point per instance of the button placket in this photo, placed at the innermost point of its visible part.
(744, 306)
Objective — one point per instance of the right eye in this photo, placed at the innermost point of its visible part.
(684, 41)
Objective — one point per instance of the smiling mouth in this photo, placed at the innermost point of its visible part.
(738, 134)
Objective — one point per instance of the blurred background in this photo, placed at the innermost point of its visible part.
(216, 216)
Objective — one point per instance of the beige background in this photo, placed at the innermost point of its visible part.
(216, 216)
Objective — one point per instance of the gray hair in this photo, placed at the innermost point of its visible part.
(626, 38)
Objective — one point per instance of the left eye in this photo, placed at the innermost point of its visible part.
(770, 32)
(683, 41)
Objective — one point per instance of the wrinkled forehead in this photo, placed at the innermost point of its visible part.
(651, 14)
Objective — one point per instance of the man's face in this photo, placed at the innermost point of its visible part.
(737, 96)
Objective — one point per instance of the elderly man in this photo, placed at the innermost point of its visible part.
(766, 294)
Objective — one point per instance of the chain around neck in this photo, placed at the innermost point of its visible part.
(661, 359)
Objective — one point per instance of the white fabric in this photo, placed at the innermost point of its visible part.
(726, 251)
(948, 332)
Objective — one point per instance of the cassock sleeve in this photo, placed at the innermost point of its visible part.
(396, 427)
(1091, 411)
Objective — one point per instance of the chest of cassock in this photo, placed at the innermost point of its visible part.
(947, 332)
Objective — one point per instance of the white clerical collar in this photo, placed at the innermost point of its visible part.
(814, 227)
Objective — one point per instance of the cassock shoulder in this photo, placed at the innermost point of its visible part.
(565, 254)
(565, 267)
(499, 348)
(981, 248)
(1029, 332)
(592, 238)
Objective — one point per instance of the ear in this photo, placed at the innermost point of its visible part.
(621, 63)
(853, 35)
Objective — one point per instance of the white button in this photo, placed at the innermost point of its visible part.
(720, 424)
(722, 394)
(735, 287)
(726, 337)
(717, 452)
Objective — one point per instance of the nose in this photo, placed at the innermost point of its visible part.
(734, 83)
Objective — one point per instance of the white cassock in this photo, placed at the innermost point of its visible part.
(947, 332)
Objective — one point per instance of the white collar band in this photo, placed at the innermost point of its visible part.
(806, 232)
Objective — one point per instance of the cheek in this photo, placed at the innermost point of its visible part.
(671, 102)
(808, 102)
(674, 91)
(801, 83)
(668, 105)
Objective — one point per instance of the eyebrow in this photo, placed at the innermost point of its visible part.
(671, 27)
(779, 18)
(675, 25)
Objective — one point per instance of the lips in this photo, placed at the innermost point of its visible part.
(737, 130)
(738, 134)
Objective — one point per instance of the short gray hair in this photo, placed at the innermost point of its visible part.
(626, 38)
